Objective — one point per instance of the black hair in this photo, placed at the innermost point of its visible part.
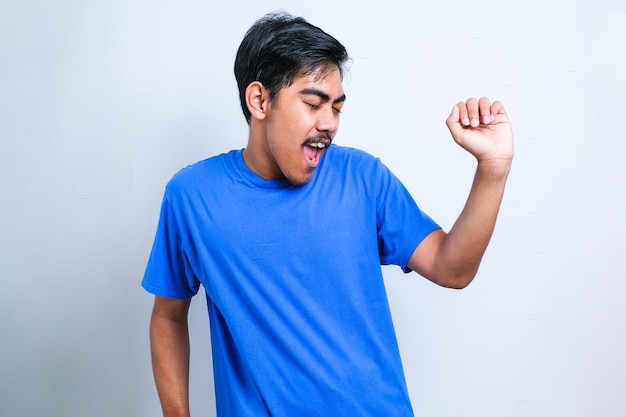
(280, 47)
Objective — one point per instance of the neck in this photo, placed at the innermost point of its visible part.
(256, 155)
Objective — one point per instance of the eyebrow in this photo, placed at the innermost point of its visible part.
(322, 95)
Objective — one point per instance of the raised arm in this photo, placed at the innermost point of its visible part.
(169, 342)
(452, 259)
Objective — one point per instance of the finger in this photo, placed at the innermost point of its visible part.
(497, 108)
(453, 121)
(463, 114)
(454, 114)
(484, 108)
(472, 112)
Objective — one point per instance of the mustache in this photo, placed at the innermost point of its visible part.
(324, 136)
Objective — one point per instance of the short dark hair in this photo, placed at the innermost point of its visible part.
(280, 47)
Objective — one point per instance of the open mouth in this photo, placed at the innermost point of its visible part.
(313, 148)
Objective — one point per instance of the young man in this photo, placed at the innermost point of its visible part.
(287, 237)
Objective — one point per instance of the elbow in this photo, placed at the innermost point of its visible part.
(456, 274)
(459, 284)
(456, 281)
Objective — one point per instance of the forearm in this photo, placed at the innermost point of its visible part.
(169, 342)
(483, 129)
(463, 247)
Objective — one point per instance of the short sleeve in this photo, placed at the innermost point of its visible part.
(168, 273)
(401, 224)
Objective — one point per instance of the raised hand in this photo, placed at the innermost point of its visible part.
(483, 129)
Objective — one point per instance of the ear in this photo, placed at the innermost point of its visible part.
(257, 100)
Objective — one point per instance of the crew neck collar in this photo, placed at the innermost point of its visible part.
(256, 179)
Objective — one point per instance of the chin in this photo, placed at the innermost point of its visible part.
(300, 180)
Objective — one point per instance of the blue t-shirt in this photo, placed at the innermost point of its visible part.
(300, 322)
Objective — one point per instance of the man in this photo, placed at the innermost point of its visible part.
(287, 237)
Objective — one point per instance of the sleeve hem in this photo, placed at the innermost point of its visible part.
(165, 293)
(411, 248)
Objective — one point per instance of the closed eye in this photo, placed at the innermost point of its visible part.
(336, 110)
(325, 98)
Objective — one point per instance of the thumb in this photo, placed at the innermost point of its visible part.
(453, 121)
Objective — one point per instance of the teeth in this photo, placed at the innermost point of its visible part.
(319, 145)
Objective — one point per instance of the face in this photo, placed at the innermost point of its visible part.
(300, 124)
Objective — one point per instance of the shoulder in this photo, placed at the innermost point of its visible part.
(346, 152)
(201, 174)
(211, 167)
(355, 162)
(344, 156)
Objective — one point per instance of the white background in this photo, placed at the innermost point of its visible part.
(102, 101)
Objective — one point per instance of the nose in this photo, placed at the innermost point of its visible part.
(328, 120)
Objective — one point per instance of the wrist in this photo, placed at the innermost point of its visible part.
(494, 168)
